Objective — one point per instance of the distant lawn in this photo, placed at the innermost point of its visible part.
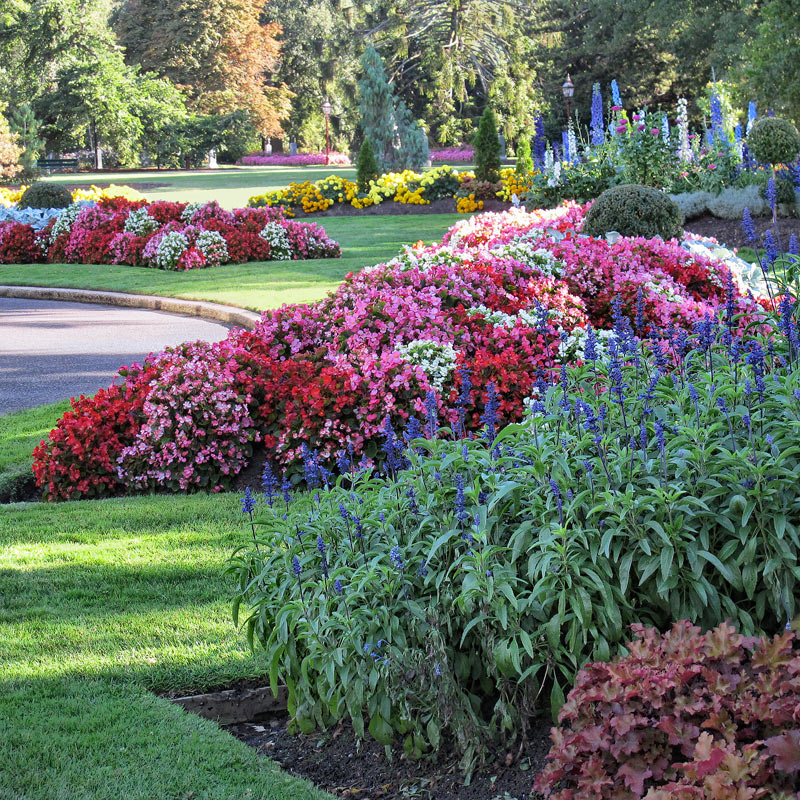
(101, 603)
(258, 285)
(229, 186)
(20, 432)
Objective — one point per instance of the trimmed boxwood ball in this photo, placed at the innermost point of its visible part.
(773, 140)
(45, 195)
(634, 210)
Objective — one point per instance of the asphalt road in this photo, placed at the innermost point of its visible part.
(52, 351)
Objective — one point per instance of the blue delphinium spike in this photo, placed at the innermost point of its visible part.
(793, 248)
(615, 95)
(598, 128)
(269, 483)
(297, 569)
(489, 418)
(337, 585)
(431, 412)
(772, 193)
(748, 226)
(461, 513)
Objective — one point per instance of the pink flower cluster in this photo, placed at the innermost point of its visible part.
(506, 296)
(297, 160)
(452, 155)
(173, 236)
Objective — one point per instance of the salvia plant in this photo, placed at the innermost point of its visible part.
(447, 596)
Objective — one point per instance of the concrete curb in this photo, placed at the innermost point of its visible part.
(191, 308)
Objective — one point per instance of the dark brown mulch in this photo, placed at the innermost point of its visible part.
(340, 763)
(444, 206)
(729, 231)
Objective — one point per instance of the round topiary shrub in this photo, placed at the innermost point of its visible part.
(634, 210)
(45, 195)
(774, 141)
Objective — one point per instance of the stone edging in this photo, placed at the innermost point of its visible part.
(193, 308)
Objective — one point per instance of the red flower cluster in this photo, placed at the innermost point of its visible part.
(18, 244)
(685, 716)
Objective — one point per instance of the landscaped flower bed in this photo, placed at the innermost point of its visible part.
(163, 235)
(297, 160)
(501, 297)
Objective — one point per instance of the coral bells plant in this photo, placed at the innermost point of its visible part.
(684, 715)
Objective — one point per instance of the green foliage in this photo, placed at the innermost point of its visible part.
(634, 210)
(774, 141)
(397, 140)
(642, 154)
(484, 574)
(487, 148)
(45, 195)
(524, 161)
(367, 166)
(23, 122)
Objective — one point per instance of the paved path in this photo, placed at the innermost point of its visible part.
(52, 351)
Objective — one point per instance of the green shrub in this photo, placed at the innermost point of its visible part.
(366, 166)
(774, 141)
(46, 195)
(437, 604)
(524, 161)
(487, 148)
(634, 210)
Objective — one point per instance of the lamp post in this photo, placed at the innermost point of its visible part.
(568, 89)
(326, 110)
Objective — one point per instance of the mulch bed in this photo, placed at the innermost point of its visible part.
(729, 231)
(340, 763)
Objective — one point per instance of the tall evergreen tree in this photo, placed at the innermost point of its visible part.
(376, 105)
(487, 148)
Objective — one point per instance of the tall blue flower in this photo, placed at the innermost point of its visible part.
(269, 483)
(752, 115)
(296, 568)
(461, 513)
(391, 447)
(772, 194)
(597, 127)
(431, 411)
(413, 430)
(337, 585)
(310, 468)
(748, 226)
(396, 558)
(565, 145)
(771, 247)
(285, 486)
(489, 417)
(559, 501)
(248, 502)
(590, 347)
(793, 247)
(716, 121)
(343, 462)
(615, 95)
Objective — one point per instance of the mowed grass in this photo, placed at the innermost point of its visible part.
(102, 603)
(258, 285)
(231, 187)
(20, 432)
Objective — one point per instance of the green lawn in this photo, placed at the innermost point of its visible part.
(229, 186)
(259, 285)
(102, 603)
(20, 432)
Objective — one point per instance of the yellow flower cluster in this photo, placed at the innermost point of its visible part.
(97, 193)
(10, 197)
(468, 204)
(513, 184)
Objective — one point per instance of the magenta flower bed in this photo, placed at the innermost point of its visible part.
(500, 299)
(453, 155)
(298, 160)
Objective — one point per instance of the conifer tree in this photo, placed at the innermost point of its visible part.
(487, 148)
(366, 166)
(524, 161)
(23, 122)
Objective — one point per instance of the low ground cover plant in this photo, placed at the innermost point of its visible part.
(501, 294)
(296, 160)
(685, 714)
(163, 235)
(445, 596)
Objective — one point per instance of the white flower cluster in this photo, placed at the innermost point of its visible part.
(575, 345)
(408, 259)
(524, 251)
(527, 316)
(170, 249)
(139, 222)
(191, 209)
(213, 246)
(664, 288)
(437, 359)
(280, 248)
(66, 219)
